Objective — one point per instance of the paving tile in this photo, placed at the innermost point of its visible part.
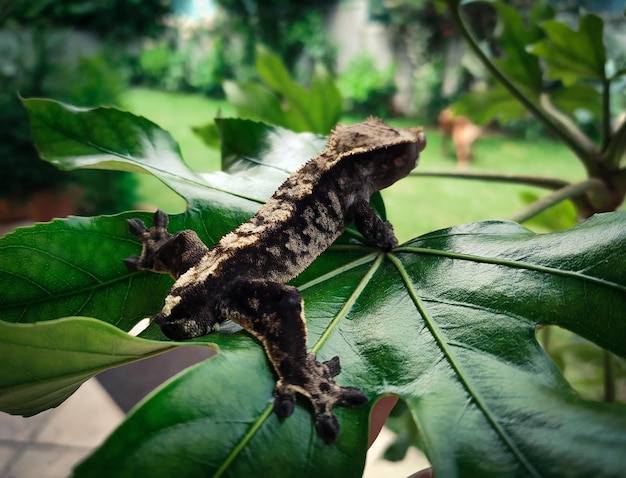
(51, 443)
(47, 461)
(15, 427)
(7, 453)
(377, 467)
(84, 420)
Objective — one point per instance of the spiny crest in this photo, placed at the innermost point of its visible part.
(370, 135)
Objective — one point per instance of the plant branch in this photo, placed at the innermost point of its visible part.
(609, 376)
(616, 147)
(570, 191)
(455, 10)
(566, 123)
(606, 113)
(547, 183)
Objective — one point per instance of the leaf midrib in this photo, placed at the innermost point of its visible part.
(447, 352)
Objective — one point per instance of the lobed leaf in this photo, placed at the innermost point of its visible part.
(570, 55)
(228, 429)
(284, 102)
(446, 322)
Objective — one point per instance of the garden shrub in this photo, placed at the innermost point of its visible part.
(367, 89)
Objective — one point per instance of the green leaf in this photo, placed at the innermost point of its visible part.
(446, 322)
(577, 97)
(253, 100)
(267, 148)
(284, 102)
(44, 363)
(521, 67)
(571, 56)
(107, 138)
(208, 133)
(325, 92)
(230, 430)
(73, 267)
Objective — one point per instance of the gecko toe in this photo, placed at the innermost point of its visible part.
(352, 397)
(136, 227)
(327, 427)
(160, 219)
(132, 263)
(284, 405)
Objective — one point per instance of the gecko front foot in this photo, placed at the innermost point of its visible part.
(152, 240)
(172, 254)
(384, 236)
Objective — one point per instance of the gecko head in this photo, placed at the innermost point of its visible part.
(385, 153)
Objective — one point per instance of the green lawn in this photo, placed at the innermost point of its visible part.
(415, 205)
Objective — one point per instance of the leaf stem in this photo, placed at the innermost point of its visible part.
(570, 191)
(606, 113)
(609, 376)
(548, 183)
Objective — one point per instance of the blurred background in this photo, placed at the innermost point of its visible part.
(173, 61)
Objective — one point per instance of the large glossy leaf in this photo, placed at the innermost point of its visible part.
(446, 322)
(216, 419)
(107, 138)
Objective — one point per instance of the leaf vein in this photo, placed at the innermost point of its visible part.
(448, 353)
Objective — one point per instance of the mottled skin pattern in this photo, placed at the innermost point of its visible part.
(242, 278)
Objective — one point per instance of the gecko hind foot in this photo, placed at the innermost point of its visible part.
(315, 381)
(326, 423)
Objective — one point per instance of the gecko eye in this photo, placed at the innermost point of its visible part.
(399, 161)
(421, 141)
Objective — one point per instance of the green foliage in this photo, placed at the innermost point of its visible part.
(115, 20)
(447, 322)
(199, 55)
(554, 72)
(35, 62)
(208, 72)
(83, 347)
(549, 50)
(294, 30)
(280, 100)
(163, 66)
(91, 81)
(367, 89)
